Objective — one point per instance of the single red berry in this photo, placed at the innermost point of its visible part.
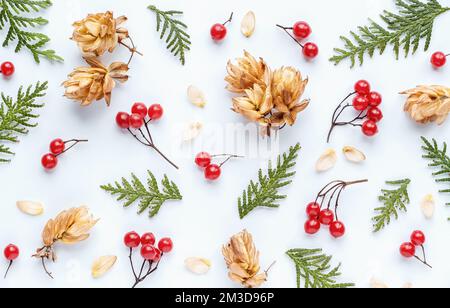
(375, 99)
(218, 32)
(213, 172)
(375, 114)
(310, 50)
(132, 240)
(370, 128)
(148, 239)
(360, 102)
(302, 30)
(11, 252)
(139, 108)
(123, 120)
(337, 229)
(136, 121)
(326, 217)
(165, 245)
(157, 256)
(203, 159)
(7, 69)
(49, 161)
(408, 250)
(148, 252)
(418, 238)
(57, 146)
(438, 59)
(312, 226)
(155, 112)
(362, 87)
(313, 210)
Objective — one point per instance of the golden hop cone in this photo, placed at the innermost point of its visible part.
(426, 104)
(98, 33)
(242, 260)
(86, 84)
(256, 105)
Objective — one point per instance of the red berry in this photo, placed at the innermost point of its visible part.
(203, 159)
(157, 256)
(313, 210)
(312, 226)
(337, 229)
(136, 121)
(165, 245)
(7, 69)
(132, 240)
(370, 128)
(360, 103)
(11, 252)
(123, 120)
(148, 239)
(148, 252)
(408, 250)
(218, 32)
(139, 108)
(375, 99)
(362, 87)
(155, 112)
(310, 50)
(57, 146)
(438, 59)
(418, 238)
(375, 114)
(326, 217)
(213, 172)
(49, 161)
(302, 30)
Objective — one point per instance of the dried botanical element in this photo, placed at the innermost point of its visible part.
(378, 284)
(327, 161)
(353, 154)
(30, 208)
(198, 266)
(102, 265)
(86, 84)
(99, 33)
(192, 131)
(426, 104)
(407, 285)
(248, 24)
(196, 96)
(256, 105)
(69, 227)
(428, 206)
(242, 260)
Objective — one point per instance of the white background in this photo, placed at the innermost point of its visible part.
(207, 217)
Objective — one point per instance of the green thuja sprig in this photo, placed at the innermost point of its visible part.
(151, 197)
(17, 116)
(314, 270)
(177, 39)
(405, 30)
(15, 15)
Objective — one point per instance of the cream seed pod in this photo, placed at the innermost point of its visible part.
(248, 24)
(199, 266)
(30, 208)
(353, 154)
(326, 161)
(102, 265)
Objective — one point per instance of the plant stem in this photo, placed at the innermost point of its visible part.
(229, 20)
(76, 141)
(132, 49)
(132, 265)
(45, 268)
(286, 30)
(7, 270)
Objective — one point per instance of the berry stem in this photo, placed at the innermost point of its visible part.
(286, 29)
(132, 265)
(131, 48)
(75, 142)
(228, 159)
(45, 268)
(229, 20)
(7, 270)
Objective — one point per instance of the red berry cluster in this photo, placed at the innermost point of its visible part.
(11, 253)
(7, 69)
(366, 103)
(152, 256)
(212, 171)
(57, 147)
(219, 31)
(439, 59)
(408, 250)
(301, 31)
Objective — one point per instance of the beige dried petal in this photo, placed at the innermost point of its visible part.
(198, 266)
(102, 265)
(378, 284)
(327, 161)
(248, 24)
(428, 206)
(196, 96)
(353, 154)
(192, 131)
(30, 208)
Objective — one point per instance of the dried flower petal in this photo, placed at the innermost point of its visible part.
(248, 24)
(326, 161)
(198, 266)
(193, 131)
(354, 155)
(196, 96)
(30, 207)
(428, 206)
(102, 265)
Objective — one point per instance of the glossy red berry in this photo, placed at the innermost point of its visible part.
(375, 99)
(148, 239)
(362, 87)
(313, 210)
(139, 108)
(213, 172)
(132, 240)
(418, 238)
(157, 256)
(123, 120)
(136, 121)
(203, 159)
(302, 30)
(312, 226)
(148, 252)
(218, 32)
(7, 69)
(408, 250)
(360, 102)
(11, 252)
(155, 112)
(49, 161)
(370, 128)
(438, 59)
(375, 114)
(337, 229)
(326, 217)
(310, 50)
(57, 146)
(165, 245)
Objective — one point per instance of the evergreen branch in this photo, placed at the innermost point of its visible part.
(150, 198)
(17, 117)
(174, 32)
(265, 192)
(405, 30)
(18, 26)
(394, 201)
(314, 269)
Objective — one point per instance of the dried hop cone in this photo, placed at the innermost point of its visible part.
(86, 84)
(98, 33)
(426, 104)
(256, 105)
(242, 260)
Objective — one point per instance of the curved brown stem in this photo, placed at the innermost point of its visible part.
(75, 142)
(229, 19)
(286, 29)
(45, 268)
(131, 48)
(7, 270)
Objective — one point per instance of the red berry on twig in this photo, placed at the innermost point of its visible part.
(302, 30)
(408, 250)
(326, 217)
(165, 245)
(312, 226)
(132, 240)
(139, 108)
(49, 161)
(418, 238)
(337, 229)
(123, 120)
(7, 69)
(57, 146)
(313, 210)
(203, 159)
(155, 112)
(213, 172)
(439, 59)
(362, 87)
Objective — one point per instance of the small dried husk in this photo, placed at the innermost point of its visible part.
(248, 24)
(102, 265)
(30, 207)
(192, 131)
(327, 161)
(196, 96)
(198, 266)
(353, 154)
(428, 206)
